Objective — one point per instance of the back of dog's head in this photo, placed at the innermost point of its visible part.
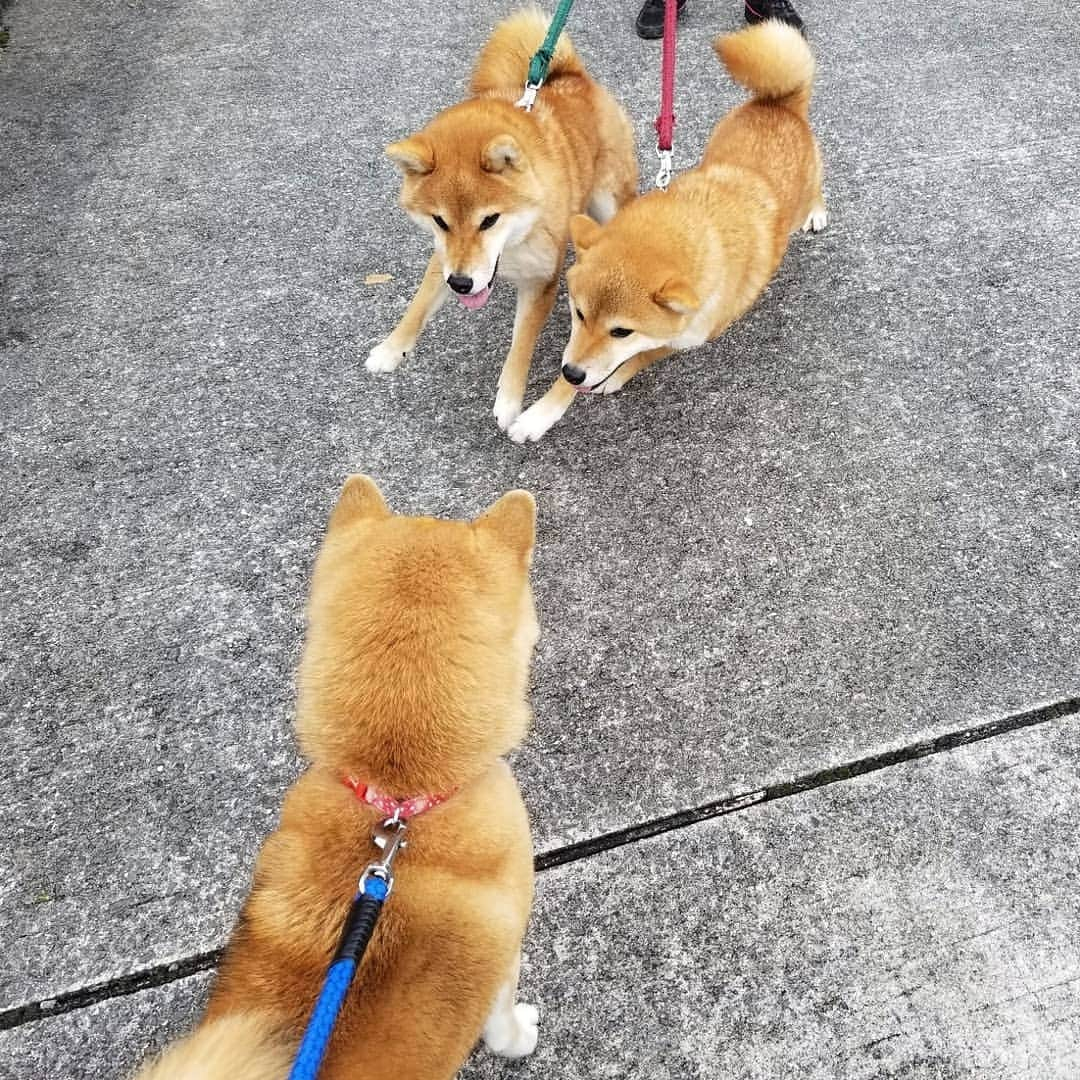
(468, 179)
(420, 633)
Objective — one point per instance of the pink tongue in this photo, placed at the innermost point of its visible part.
(477, 300)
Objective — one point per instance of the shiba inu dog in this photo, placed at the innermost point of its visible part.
(673, 269)
(413, 684)
(496, 187)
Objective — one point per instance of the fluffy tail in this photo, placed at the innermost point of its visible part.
(772, 60)
(504, 60)
(246, 1046)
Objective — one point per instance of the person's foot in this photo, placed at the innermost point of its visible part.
(760, 10)
(650, 20)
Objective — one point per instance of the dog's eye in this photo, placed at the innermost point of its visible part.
(489, 221)
(620, 331)
(577, 312)
(439, 221)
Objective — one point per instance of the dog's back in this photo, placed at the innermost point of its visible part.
(577, 115)
(770, 135)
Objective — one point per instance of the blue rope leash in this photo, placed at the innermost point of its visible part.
(366, 908)
(321, 1025)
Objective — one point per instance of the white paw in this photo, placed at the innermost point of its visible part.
(818, 219)
(507, 408)
(533, 423)
(613, 385)
(602, 206)
(516, 1037)
(383, 358)
(526, 1014)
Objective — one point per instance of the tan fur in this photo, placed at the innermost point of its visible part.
(504, 60)
(414, 677)
(573, 153)
(239, 1047)
(770, 62)
(678, 267)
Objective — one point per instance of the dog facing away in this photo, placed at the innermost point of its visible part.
(496, 187)
(413, 681)
(673, 269)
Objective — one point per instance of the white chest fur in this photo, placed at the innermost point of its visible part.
(534, 259)
(700, 326)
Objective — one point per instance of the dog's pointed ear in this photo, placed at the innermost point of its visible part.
(501, 154)
(512, 522)
(677, 294)
(360, 498)
(583, 232)
(413, 156)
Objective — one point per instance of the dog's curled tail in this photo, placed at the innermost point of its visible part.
(504, 60)
(245, 1046)
(772, 60)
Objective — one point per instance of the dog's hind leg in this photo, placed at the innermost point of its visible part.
(615, 176)
(511, 1028)
(602, 206)
(817, 217)
(429, 298)
(535, 299)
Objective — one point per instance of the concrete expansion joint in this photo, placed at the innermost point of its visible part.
(172, 971)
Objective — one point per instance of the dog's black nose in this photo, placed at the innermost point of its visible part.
(460, 283)
(575, 376)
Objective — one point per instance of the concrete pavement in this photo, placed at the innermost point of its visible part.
(849, 526)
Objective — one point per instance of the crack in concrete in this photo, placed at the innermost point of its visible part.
(823, 778)
(161, 974)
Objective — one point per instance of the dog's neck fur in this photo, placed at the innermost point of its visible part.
(433, 753)
(412, 713)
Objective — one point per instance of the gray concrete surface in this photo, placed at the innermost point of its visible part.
(849, 525)
(918, 923)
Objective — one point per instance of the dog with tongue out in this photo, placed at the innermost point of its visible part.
(496, 187)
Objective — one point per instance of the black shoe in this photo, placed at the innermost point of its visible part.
(650, 20)
(760, 10)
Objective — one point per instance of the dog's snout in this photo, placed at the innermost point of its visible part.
(574, 375)
(460, 283)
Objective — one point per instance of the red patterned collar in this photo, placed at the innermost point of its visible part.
(391, 807)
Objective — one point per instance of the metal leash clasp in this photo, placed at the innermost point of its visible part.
(390, 839)
(663, 177)
(528, 98)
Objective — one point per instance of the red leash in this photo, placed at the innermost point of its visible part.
(665, 122)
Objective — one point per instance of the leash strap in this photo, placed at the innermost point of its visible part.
(541, 61)
(367, 905)
(359, 927)
(665, 122)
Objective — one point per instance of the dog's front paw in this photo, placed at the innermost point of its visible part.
(614, 383)
(534, 423)
(384, 358)
(507, 408)
(518, 1036)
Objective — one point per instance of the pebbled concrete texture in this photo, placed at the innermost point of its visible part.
(916, 923)
(851, 523)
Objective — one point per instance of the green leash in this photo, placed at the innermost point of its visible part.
(541, 61)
